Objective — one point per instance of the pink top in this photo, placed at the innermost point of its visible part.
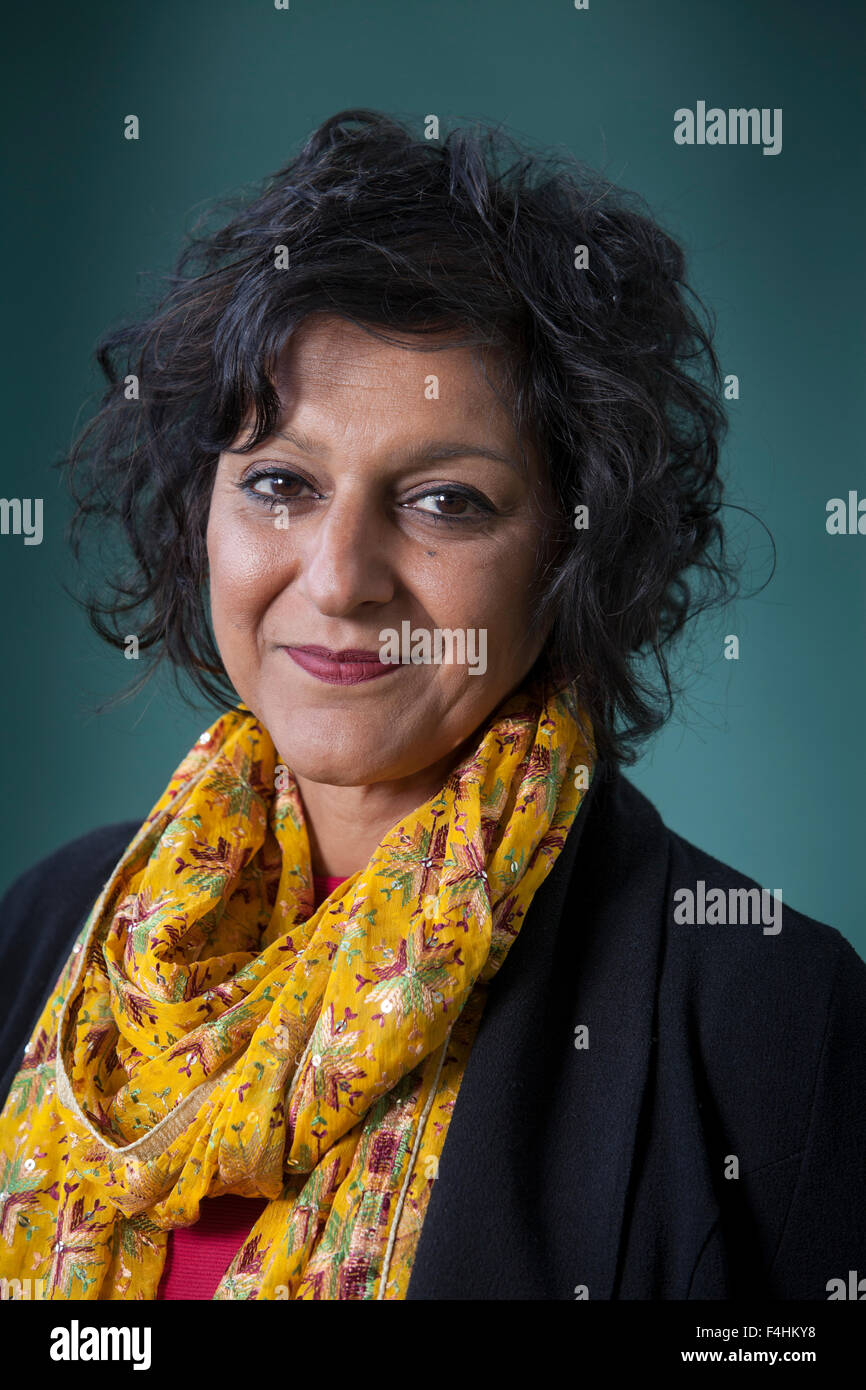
(198, 1256)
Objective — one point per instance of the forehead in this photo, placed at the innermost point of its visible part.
(331, 359)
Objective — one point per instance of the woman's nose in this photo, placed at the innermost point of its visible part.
(345, 557)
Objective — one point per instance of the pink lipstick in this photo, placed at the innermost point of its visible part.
(348, 667)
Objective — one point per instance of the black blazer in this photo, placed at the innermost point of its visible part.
(605, 1171)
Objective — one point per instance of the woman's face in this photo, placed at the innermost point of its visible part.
(376, 508)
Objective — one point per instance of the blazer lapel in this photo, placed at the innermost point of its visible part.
(531, 1196)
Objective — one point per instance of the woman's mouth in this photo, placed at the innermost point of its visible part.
(348, 667)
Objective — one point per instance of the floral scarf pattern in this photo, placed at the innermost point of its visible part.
(212, 1032)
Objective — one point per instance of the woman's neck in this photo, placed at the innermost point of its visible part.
(345, 824)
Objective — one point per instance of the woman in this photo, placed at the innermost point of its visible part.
(393, 994)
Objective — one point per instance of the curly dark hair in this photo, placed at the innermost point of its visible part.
(609, 368)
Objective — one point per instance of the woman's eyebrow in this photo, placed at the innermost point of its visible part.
(425, 451)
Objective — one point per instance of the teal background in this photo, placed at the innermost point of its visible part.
(762, 765)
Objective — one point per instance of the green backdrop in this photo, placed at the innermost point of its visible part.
(762, 765)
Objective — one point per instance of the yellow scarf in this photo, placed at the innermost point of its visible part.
(211, 1032)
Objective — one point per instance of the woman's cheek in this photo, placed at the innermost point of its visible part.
(248, 562)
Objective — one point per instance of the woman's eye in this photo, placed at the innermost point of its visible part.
(448, 504)
(275, 487)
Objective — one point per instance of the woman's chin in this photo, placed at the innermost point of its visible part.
(336, 765)
(359, 747)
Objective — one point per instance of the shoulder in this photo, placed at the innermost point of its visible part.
(731, 930)
(716, 921)
(40, 915)
(765, 1004)
(758, 994)
(73, 867)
